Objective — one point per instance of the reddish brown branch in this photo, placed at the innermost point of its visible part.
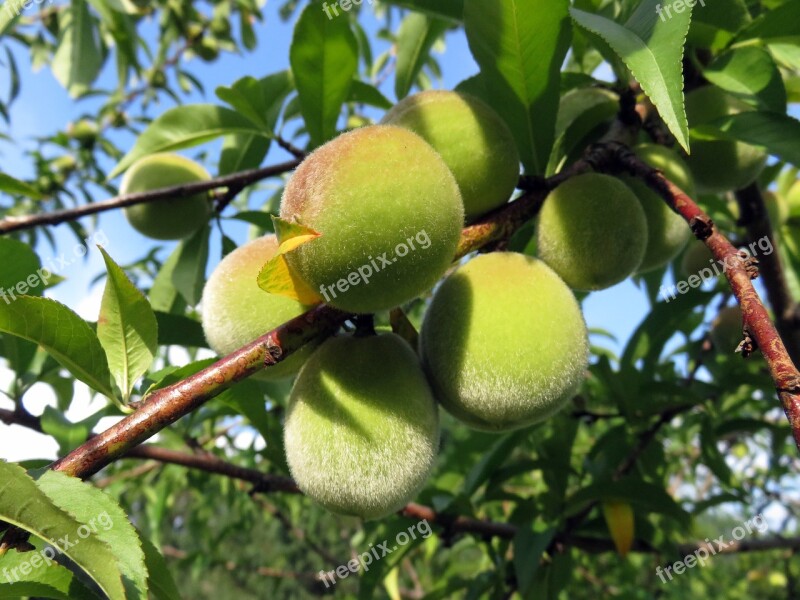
(235, 181)
(755, 218)
(167, 405)
(757, 321)
(451, 524)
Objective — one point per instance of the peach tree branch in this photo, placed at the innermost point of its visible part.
(236, 181)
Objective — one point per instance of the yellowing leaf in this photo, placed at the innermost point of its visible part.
(619, 518)
(277, 277)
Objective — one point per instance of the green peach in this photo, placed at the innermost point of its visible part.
(720, 165)
(504, 356)
(696, 258)
(592, 231)
(726, 329)
(667, 232)
(473, 140)
(170, 219)
(362, 428)
(389, 213)
(236, 311)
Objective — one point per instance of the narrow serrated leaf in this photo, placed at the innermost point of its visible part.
(63, 334)
(184, 127)
(105, 520)
(24, 505)
(126, 328)
(651, 46)
(324, 59)
(520, 46)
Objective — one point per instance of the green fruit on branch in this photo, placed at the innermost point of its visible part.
(504, 356)
(720, 165)
(592, 231)
(85, 132)
(172, 218)
(389, 213)
(236, 311)
(362, 428)
(473, 140)
(726, 329)
(696, 258)
(667, 232)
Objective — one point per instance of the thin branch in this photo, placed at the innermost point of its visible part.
(269, 483)
(739, 273)
(755, 218)
(234, 181)
(165, 406)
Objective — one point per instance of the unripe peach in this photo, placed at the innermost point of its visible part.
(720, 165)
(726, 329)
(667, 232)
(592, 231)
(696, 258)
(389, 213)
(473, 140)
(504, 356)
(362, 428)
(170, 219)
(236, 311)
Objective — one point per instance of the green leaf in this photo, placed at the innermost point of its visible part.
(715, 24)
(68, 435)
(9, 15)
(242, 151)
(105, 519)
(364, 93)
(520, 46)
(15, 187)
(779, 24)
(79, 56)
(529, 546)
(260, 100)
(650, 497)
(178, 330)
(324, 59)
(127, 328)
(189, 276)
(163, 295)
(652, 48)
(184, 127)
(24, 505)
(449, 9)
(246, 398)
(159, 579)
(415, 39)
(63, 334)
(778, 133)
(20, 265)
(752, 72)
(664, 320)
(41, 581)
